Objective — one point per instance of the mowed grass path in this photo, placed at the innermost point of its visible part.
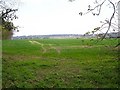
(60, 63)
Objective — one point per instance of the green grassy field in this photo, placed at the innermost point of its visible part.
(60, 63)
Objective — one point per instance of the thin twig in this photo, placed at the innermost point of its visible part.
(98, 6)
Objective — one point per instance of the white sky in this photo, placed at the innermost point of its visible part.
(42, 17)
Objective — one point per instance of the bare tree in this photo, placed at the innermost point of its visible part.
(7, 15)
(96, 11)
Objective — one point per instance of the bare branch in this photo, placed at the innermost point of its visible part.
(110, 21)
(96, 7)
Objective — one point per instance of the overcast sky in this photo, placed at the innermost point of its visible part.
(43, 17)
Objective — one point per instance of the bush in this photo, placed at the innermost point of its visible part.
(5, 34)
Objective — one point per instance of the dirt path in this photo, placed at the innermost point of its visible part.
(35, 42)
(42, 45)
(57, 49)
(44, 49)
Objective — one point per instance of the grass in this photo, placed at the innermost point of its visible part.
(60, 63)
